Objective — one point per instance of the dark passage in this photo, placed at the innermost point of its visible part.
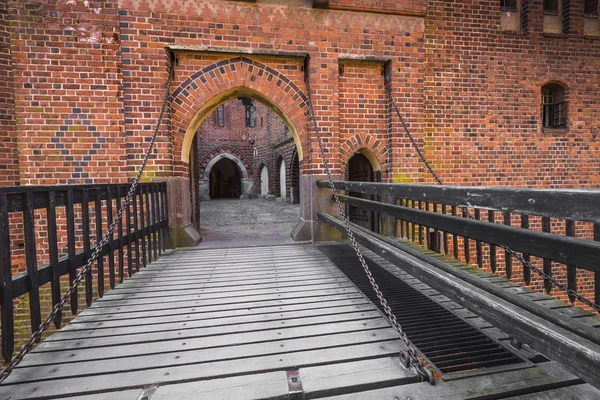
(450, 344)
(225, 180)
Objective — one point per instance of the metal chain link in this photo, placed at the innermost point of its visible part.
(72, 291)
(409, 357)
(466, 213)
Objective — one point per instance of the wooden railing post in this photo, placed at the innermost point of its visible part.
(71, 246)
(85, 212)
(110, 247)
(99, 234)
(6, 311)
(31, 260)
(53, 253)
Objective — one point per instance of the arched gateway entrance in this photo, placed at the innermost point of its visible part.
(212, 85)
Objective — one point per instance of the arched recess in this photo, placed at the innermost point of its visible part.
(208, 156)
(373, 149)
(233, 158)
(203, 91)
(278, 179)
(225, 179)
(264, 180)
(363, 166)
(247, 182)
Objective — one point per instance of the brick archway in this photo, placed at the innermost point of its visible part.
(371, 147)
(217, 151)
(228, 79)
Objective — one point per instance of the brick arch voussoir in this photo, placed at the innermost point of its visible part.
(363, 141)
(216, 151)
(204, 86)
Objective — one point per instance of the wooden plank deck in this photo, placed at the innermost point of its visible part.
(232, 323)
(219, 324)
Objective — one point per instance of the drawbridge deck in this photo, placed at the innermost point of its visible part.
(245, 323)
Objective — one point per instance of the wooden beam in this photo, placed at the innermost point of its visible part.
(576, 204)
(567, 250)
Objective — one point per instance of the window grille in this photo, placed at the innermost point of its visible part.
(554, 107)
(221, 116)
(251, 116)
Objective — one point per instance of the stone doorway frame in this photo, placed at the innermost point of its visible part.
(204, 181)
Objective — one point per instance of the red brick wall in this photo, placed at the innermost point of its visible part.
(418, 7)
(9, 166)
(68, 92)
(364, 112)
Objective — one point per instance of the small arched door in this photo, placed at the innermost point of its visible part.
(264, 181)
(282, 181)
(360, 169)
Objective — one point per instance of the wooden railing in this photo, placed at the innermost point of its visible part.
(49, 232)
(560, 227)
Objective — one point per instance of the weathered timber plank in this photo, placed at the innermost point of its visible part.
(334, 379)
(215, 300)
(205, 357)
(55, 352)
(575, 392)
(165, 299)
(258, 386)
(225, 277)
(183, 373)
(272, 304)
(131, 394)
(126, 296)
(83, 340)
(217, 315)
(493, 386)
(231, 323)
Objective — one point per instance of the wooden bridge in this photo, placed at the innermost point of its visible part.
(300, 321)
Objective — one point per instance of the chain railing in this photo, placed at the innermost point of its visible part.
(98, 250)
(410, 357)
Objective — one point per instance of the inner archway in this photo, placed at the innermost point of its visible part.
(244, 150)
(225, 180)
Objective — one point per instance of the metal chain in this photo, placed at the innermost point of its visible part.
(466, 213)
(409, 357)
(72, 291)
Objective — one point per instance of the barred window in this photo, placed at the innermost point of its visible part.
(508, 5)
(554, 106)
(591, 7)
(221, 116)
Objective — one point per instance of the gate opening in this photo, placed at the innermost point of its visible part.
(225, 180)
(245, 170)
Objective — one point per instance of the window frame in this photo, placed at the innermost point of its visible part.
(221, 116)
(504, 7)
(593, 14)
(552, 12)
(251, 116)
(554, 107)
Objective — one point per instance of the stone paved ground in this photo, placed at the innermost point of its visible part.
(253, 222)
